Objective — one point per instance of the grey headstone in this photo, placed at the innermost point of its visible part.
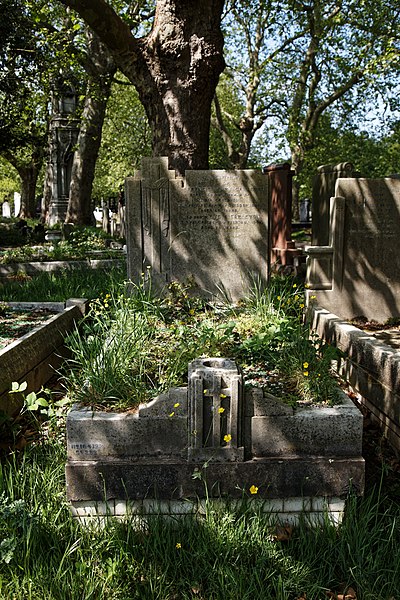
(6, 210)
(358, 274)
(323, 189)
(210, 226)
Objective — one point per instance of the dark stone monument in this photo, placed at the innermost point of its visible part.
(64, 129)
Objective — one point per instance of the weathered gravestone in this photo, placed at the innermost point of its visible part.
(17, 203)
(209, 226)
(6, 210)
(358, 273)
(323, 189)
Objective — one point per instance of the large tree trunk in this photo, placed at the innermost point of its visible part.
(175, 70)
(28, 172)
(297, 160)
(29, 176)
(100, 73)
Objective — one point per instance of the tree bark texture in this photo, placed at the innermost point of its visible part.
(175, 70)
(29, 173)
(100, 73)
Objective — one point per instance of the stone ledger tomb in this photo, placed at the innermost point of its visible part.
(358, 273)
(212, 434)
(209, 226)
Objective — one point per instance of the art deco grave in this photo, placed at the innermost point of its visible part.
(213, 435)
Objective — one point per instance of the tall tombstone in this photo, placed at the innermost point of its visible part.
(64, 129)
(17, 203)
(358, 273)
(209, 227)
(323, 189)
(280, 188)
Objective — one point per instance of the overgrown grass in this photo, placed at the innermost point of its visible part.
(45, 555)
(133, 347)
(57, 287)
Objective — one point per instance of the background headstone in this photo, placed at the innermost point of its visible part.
(210, 227)
(6, 210)
(323, 190)
(359, 273)
(17, 203)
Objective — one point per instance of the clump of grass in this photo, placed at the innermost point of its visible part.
(81, 282)
(226, 553)
(133, 347)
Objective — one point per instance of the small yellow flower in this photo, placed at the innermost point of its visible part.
(227, 437)
(307, 285)
(223, 395)
(295, 285)
(305, 365)
(205, 392)
(221, 410)
(313, 297)
(253, 489)
(178, 545)
(301, 305)
(305, 373)
(296, 297)
(177, 404)
(191, 311)
(278, 297)
(171, 414)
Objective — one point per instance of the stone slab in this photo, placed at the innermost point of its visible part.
(33, 268)
(288, 511)
(328, 431)
(97, 435)
(371, 367)
(35, 356)
(274, 477)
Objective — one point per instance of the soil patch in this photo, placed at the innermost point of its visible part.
(16, 323)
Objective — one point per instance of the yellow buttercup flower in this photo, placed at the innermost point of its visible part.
(171, 414)
(227, 437)
(178, 545)
(177, 404)
(305, 365)
(223, 395)
(305, 373)
(221, 410)
(253, 489)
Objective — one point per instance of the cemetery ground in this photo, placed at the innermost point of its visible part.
(223, 553)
